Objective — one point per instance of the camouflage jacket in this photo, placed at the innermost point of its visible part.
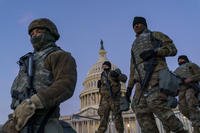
(144, 42)
(188, 70)
(54, 77)
(111, 84)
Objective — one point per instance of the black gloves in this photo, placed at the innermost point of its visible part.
(114, 74)
(148, 54)
(128, 93)
(99, 84)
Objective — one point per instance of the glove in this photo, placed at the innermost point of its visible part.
(99, 84)
(26, 110)
(128, 94)
(114, 74)
(9, 126)
(148, 54)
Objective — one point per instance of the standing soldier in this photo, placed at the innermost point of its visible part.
(110, 90)
(147, 58)
(47, 77)
(188, 94)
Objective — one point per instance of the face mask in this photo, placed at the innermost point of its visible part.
(106, 69)
(181, 62)
(40, 41)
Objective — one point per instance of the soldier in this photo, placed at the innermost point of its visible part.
(148, 52)
(110, 90)
(188, 95)
(47, 77)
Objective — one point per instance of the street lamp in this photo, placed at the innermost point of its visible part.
(128, 127)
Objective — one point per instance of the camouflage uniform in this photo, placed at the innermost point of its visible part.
(154, 102)
(110, 101)
(188, 101)
(54, 79)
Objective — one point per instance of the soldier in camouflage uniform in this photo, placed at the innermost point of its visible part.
(110, 90)
(53, 76)
(188, 96)
(152, 102)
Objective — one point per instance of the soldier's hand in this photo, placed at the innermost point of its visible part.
(148, 54)
(128, 94)
(9, 126)
(25, 111)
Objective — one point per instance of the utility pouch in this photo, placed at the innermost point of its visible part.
(168, 82)
(124, 104)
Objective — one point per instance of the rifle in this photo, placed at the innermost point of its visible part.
(31, 89)
(149, 68)
(109, 86)
(27, 61)
(193, 85)
(107, 83)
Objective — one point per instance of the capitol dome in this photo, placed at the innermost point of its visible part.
(90, 96)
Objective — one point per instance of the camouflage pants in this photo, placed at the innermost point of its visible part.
(188, 106)
(154, 104)
(108, 104)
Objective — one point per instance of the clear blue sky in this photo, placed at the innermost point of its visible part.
(82, 23)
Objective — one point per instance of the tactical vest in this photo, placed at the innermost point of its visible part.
(145, 42)
(110, 86)
(184, 70)
(42, 78)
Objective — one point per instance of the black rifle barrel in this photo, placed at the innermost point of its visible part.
(149, 71)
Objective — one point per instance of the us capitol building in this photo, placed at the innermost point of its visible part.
(87, 119)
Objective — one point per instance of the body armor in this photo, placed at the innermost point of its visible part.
(142, 43)
(184, 70)
(110, 85)
(42, 78)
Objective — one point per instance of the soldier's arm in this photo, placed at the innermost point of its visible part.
(132, 71)
(168, 48)
(122, 77)
(63, 67)
(195, 70)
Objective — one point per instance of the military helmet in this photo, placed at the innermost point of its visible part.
(138, 19)
(183, 57)
(107, 63)
(44, 23)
